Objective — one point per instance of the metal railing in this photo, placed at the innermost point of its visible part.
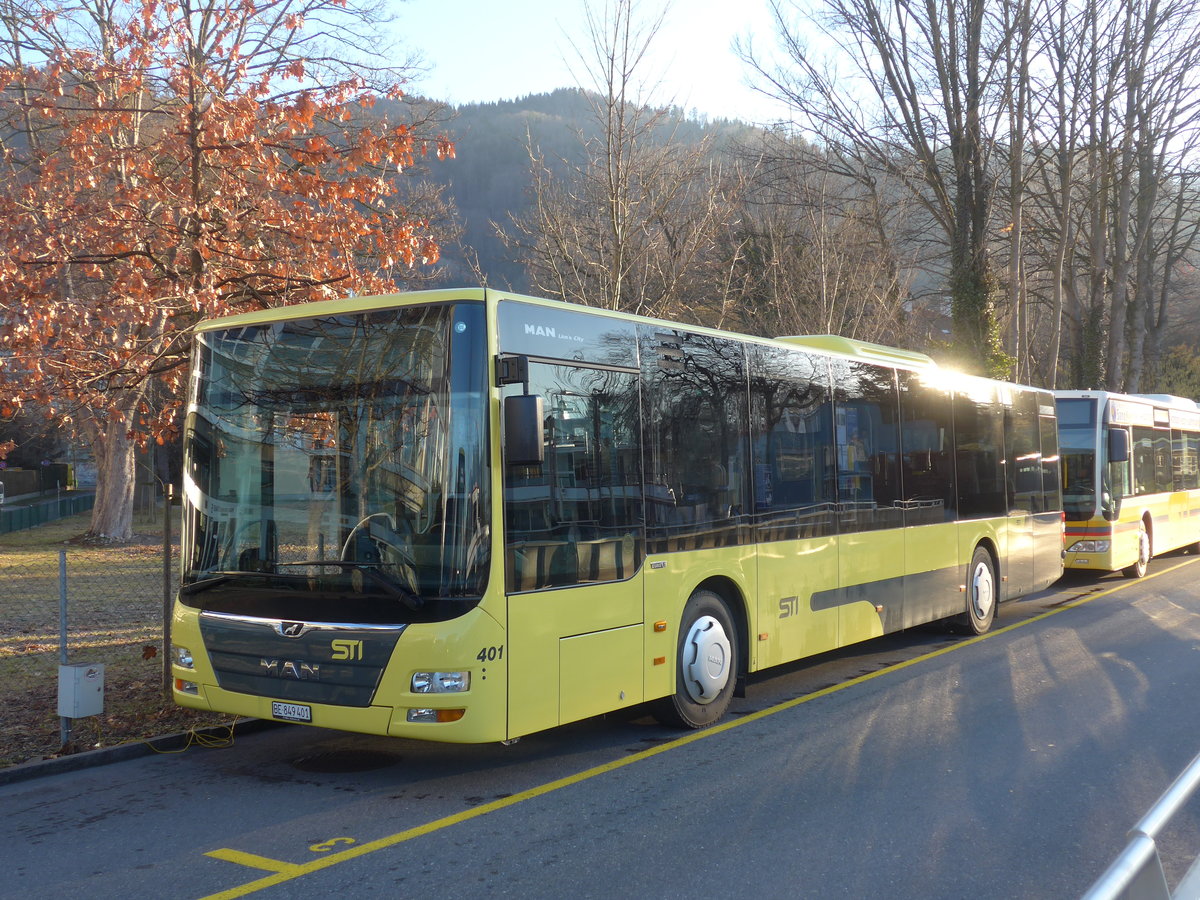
(1137, 873)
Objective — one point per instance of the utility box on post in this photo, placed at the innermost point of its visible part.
(80, 690)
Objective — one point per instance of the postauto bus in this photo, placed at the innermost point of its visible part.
(1131, 475)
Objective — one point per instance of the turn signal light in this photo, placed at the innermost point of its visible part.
(435, 715)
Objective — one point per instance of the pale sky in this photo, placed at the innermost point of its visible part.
(477, 50)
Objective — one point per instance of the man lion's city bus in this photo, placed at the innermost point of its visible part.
(1131, 476)
(463, 515)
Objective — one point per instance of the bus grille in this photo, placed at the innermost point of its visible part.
(298, 661)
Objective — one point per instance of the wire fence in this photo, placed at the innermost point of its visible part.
(87, 605)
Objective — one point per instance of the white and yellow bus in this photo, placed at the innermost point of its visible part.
(469, 516)
(1131, 476)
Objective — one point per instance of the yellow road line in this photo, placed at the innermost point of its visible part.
(284, 872)
(254, 861)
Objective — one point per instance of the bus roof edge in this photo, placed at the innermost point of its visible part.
(859, 349)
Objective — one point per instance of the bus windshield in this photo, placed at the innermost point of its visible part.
(1077, 439)
(339, 459)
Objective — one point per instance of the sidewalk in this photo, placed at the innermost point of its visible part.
(171, 743)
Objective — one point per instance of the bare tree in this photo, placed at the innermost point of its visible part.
(637, 224)
(818, 252)
(924, 104)
(1053, 142)
(1114, 128)
(1082, 113)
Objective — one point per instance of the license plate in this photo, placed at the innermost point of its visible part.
(291, 712)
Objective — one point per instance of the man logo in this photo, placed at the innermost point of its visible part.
(346, 649)
(290, 668)
(290, 629)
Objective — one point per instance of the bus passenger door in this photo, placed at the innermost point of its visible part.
(1024, 474)
(573, 551)
(1048, 524)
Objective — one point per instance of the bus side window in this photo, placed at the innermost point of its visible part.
(576, 518)
(1186, 461)
(866, 420)
(696, 440)
(794, 478)
(926, 435)
(978, 451)
(1051, 480)
(1025, 456)
(1145, 478)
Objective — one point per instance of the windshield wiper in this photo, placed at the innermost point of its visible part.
(203, 584)
(212, 581)
(395, 590)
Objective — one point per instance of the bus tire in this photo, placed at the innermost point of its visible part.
(1138, 569)
(981, 593)
(706, 664)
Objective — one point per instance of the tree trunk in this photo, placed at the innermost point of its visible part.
(115, 451)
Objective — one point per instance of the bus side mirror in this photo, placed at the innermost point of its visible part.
(523, 416)
(1118, 445)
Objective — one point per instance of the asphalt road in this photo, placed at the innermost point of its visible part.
(920, 765)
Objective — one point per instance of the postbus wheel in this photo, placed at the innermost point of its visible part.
(981, 593)
(1138, 569)
(706, 664)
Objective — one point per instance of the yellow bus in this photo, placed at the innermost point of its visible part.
(467, 515)
(1131, 476)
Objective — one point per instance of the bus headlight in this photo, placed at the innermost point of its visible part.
(182, 657)
(441, 682)
(1089, 547)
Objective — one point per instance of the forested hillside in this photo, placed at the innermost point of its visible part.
(489, 179)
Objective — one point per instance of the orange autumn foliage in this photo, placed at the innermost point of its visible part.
(180, 165)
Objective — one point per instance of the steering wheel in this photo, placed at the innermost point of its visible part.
(380, 529)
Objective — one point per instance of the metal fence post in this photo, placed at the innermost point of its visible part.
(168, 494)
(64, 724)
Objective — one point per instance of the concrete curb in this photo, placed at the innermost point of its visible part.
(131, 750)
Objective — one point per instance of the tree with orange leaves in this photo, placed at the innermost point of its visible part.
(165, 161)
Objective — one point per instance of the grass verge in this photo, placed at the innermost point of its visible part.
(115, 617)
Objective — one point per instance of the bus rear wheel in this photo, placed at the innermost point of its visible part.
(706, 664)
(1138, 569)
(981, 593)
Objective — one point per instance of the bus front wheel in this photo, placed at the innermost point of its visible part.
(706, 664)
(1138, 569)
(981, 593)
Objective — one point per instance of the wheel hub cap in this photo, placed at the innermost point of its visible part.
(707, 659)
(983, 591)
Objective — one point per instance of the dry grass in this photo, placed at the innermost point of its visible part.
(115, 614)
